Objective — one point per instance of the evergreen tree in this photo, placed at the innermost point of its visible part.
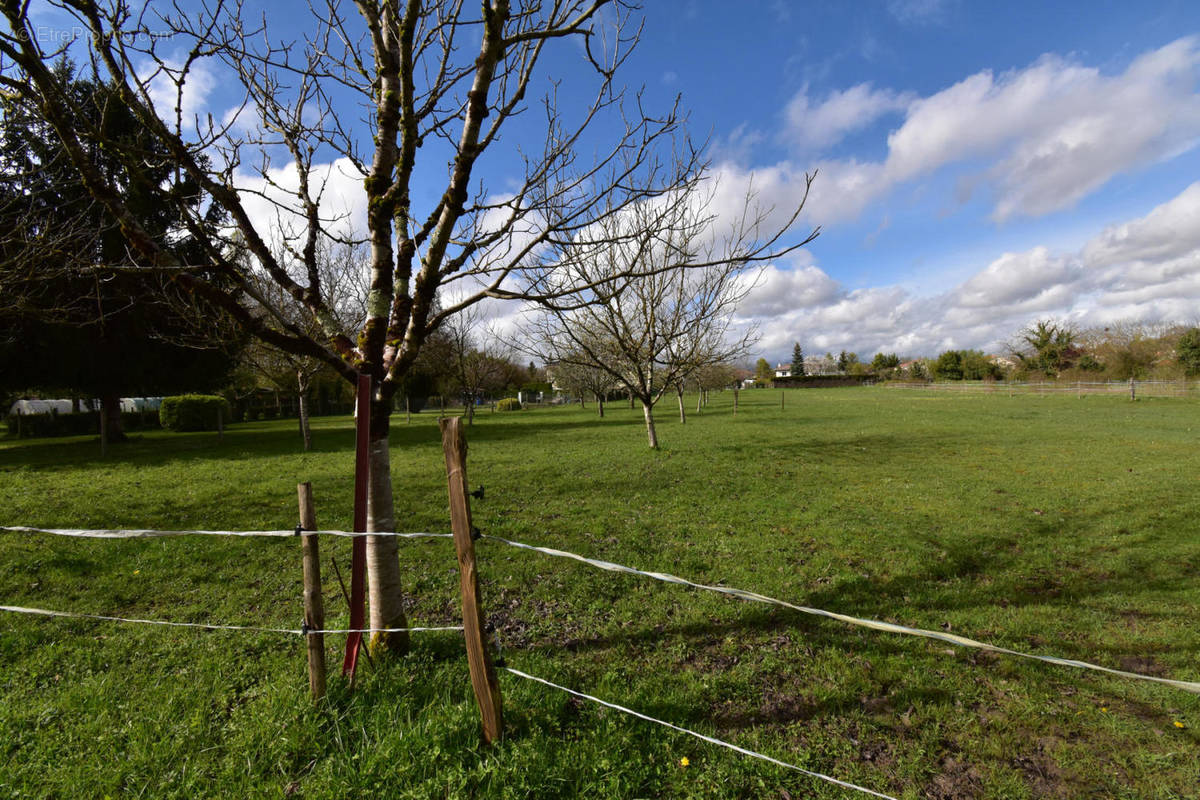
(75, 320)
(797, 359)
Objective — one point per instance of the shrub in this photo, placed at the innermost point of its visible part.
(192, 412)
(509, 404)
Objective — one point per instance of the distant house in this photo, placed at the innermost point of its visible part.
(783, 370)
(1003, 362)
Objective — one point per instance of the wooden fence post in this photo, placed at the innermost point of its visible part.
(314, 605)
(407, 411)
(1132, 391)
(735, 397)
(782, 394)
(483, 673)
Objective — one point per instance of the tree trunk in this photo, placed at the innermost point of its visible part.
(384, 597)
(302, 399)
(679, 396)
(582, 404)
(600, 404)
(110, 407)
(470, 409)
(648, 413)
(699, 398)
(631, 401)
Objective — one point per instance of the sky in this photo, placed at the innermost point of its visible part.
(979, 165)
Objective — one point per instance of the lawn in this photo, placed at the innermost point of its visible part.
(1051, 525)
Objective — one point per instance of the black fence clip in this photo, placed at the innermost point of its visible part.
(475, 533)
(299, 529)
(478, 493)
(304, 629)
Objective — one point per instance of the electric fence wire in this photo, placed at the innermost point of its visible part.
(101, 533)
(216, 627)
(888, 627)
(702, 737)
(949, 638)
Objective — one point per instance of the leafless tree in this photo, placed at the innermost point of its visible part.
(480, 361)
(342, 269)
(437, 84)
(579, 377)
(653, 332)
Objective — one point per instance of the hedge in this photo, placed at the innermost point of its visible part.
(192, 412)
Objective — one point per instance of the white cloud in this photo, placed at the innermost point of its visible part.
(1060, 130)
(812, 127)
(198, 86)
(1145, 269)
(273, 206)
(917, 12)
(1168, 231)
(1045, 136)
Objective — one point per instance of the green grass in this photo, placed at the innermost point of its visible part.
(1051, 525)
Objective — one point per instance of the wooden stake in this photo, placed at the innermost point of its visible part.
(1132, 391)
(782, 394)
(483, 673)
(314, 605)
(407, 411)
(735, 396)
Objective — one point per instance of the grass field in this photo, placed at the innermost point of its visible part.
(1052, 525)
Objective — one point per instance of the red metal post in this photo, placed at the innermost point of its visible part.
(358, 553)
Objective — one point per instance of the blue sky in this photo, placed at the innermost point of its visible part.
(981, 165)
(996, 144)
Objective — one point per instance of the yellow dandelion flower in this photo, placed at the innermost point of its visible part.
(136, 571)
(1104, 708)
(1178, 724)
(683, 762)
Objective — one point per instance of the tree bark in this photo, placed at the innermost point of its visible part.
(600, 404)
(682, 413)
(384, 596)
(110, 407)
(302, 396)
(648, 413)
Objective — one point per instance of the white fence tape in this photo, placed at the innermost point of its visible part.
(153, 534)
(702, 737)
(214, 627)
(949, 638)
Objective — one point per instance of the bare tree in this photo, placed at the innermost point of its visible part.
(578, 376)
(653, 332)
(437, 84)
(480, 361)
(342, 269)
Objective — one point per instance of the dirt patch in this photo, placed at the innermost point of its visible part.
(1143, 665)
(1043, 775)
(775, 708)
(956, 781)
